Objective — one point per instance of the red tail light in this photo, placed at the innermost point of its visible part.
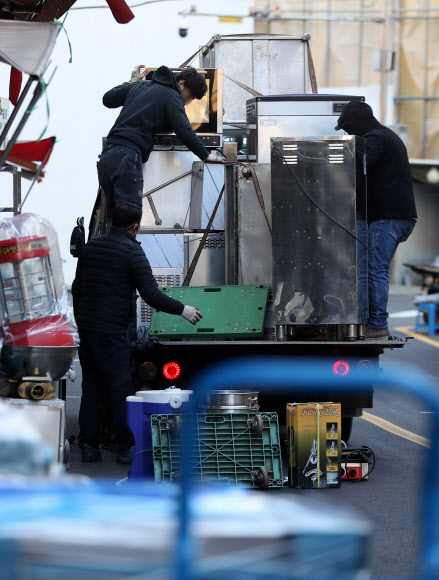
(341, 368)
(171, 371)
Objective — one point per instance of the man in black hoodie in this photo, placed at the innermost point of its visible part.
(391, 210)
(148, 107)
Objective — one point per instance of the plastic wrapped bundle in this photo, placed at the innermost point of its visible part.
(34, 304)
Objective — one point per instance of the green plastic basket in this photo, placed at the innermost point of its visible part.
(235, 448)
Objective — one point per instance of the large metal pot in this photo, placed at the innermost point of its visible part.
(232, 401)
(20, 361)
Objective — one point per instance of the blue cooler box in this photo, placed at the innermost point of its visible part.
(139, 410)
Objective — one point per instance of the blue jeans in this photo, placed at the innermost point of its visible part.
(384, 238)
(120, 176)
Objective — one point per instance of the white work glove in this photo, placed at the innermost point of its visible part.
(191, 314)
(138, 74)
(216, 157)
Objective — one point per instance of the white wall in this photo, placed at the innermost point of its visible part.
(104, 53)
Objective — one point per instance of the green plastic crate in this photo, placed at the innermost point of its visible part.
(228, 447)
(228, 311)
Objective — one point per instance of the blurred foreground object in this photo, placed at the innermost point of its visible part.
(23, 450)
(239, 534)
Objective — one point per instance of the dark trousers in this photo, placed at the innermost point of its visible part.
(120, 176)
(105, 362)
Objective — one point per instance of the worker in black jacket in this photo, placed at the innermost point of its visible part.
(148, 107)
(391, 210)
(110, 269)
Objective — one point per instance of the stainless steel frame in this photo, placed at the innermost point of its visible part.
(210, 269)
(294, 115)
(16, 189)
(269, 64)
(318, 213)
(248, 237)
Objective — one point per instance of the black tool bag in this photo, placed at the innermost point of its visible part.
(77, 241)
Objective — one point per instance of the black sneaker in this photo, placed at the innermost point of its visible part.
(90, 454)
(377, 333)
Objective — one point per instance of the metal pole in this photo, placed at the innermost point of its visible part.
(151, 191)
(401, 98)
(16, 186)
(230, 224)
(14, 113)
(21, 124)
(190, 273)
(309, 22)
(426, 59)
(398, 108)
(384, 53)
(360, 46)
(281, 333)
(328, 46)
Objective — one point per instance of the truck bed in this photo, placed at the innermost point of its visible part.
(370, 346)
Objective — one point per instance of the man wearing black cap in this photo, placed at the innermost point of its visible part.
(391, 210)
(110, 269)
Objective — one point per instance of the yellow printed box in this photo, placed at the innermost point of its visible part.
(314, 444)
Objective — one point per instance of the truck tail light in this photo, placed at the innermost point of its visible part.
(341, 368)
(171, 371)
(147, 371)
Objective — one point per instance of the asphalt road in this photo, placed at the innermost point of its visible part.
(390, 499)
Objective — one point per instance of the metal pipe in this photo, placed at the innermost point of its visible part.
(310, 12)
(269, 19)
(328, 46)
(402, 10)
(383, 71)
(425, 102)
(416, 17)
(21, 124)
(400, 98)
(16, 188)
(398, 108)
(281, 333)
(230, 225)
(151, 191)
(317, 11)
(360, 47)
(14, 113)
(351, 331)
(158, 221)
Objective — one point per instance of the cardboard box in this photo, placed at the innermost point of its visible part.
(314, 444)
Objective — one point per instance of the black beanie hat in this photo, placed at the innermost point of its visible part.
(355, 113)
(126, 215)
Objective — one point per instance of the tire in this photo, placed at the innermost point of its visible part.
(260, 477)
(257, 425)
(346, 428)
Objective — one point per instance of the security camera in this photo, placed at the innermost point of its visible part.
(183, 27)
